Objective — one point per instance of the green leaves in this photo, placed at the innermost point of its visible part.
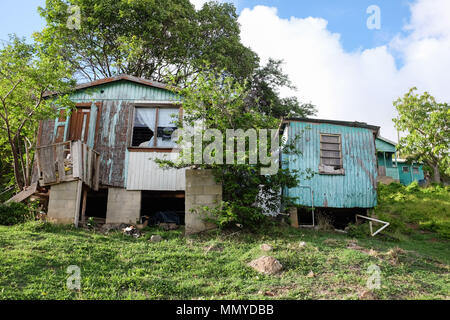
(147, 38)
(427, 124)
(27, 73)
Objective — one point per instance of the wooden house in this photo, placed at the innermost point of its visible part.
(97, 162)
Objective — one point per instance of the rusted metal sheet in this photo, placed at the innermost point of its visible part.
(111, 142)
(356, 188)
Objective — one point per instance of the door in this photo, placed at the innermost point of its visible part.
(79, 124)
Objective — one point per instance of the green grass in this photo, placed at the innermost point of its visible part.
(412, 208)
(34, 258)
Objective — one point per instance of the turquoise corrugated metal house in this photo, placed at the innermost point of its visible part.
(341, 155)
(391, 169)
(410, 171)
(387, 160)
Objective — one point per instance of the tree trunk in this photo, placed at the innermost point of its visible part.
(436, 174)
(16, 166)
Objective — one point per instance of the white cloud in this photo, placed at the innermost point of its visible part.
(358, 85)
(198, 4)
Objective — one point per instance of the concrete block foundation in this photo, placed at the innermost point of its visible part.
(63, 203)
(201, 190)
(124, 206)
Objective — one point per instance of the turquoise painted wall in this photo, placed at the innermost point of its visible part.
(355, 189)
(389, 159)
(407, 177)
(385, 146)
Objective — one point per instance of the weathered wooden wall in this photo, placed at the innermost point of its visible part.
(115, 103)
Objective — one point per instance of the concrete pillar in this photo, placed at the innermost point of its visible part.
(63, 204)
(293, 216)
(123, 206)
(201, 190)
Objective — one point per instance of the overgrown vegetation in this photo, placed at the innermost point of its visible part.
(414, 264)
(251, 180)
(15, 213)
(34, 258)
(426, 123)
(412, 208)
(27, 73)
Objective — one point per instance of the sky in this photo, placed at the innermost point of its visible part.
(350, 72)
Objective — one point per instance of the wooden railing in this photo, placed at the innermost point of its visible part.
(68, 161)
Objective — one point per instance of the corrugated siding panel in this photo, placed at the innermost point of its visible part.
(124, 90)
(145, 174)
(355, 189)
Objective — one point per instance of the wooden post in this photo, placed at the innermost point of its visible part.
(293, 217)
(83, 207)
(78, 201)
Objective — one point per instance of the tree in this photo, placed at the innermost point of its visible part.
(427, 124)
(154, 39)
(264, 93)
(218, 102)
(26, 74)
(146, 38)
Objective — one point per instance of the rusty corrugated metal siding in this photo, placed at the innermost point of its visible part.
(355, 189)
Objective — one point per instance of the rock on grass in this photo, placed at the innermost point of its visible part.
(266, 265)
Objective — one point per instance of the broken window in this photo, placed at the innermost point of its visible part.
(405, 169)
(153, 127)
(416, 170)
(330, 154)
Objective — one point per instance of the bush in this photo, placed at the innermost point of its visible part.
(358, 230)
(14, 213)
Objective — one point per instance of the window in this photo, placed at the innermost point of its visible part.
(330, 154)
(416, 170)
(153, 127)
(405, 169)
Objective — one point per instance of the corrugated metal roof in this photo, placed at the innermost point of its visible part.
(337, 122)
(124, 90)
(384, 146)
(356, 188)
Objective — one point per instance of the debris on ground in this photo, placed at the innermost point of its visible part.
(214, 247)
(131, 231)
(266, 247)
(155, 238)
(266, 265)
(332, 242)
(302, 244)
(367, 295)
(311, 275)
(168, 226)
